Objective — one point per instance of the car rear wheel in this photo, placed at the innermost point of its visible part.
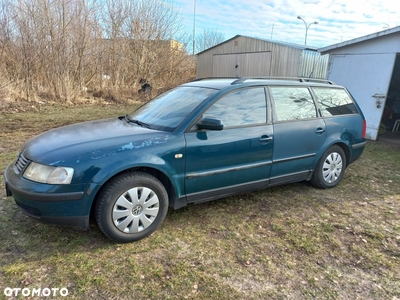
(330, 168)
(131, 207)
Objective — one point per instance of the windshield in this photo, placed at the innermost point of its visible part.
(169, 109)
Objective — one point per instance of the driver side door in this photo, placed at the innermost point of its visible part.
(238, 157)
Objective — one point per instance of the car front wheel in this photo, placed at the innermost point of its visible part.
(131, 207)
(330, 168)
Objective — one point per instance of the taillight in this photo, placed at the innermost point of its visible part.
(364, 129)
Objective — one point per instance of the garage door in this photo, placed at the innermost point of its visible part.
(367, 77)
(242, 64)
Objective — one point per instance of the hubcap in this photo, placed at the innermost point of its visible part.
(135, 210)
(332, 167)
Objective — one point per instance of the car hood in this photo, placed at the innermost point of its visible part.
(71, 141)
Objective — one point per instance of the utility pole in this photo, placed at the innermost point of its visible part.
(194, 25)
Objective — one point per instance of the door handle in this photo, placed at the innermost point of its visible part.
(320, 130)
(265, 139)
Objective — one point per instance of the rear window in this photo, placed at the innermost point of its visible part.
(334, 102)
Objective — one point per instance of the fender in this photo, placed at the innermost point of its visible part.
(344, 139)
(175, 173)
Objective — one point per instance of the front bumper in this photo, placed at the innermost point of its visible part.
(52, 204)
(71, 196)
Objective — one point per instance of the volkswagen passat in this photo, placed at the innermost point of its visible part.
(200, 141)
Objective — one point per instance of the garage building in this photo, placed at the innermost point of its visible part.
(243, 56)
(369, 67)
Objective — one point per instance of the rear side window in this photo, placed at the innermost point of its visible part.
(293, 103)
(334, 102)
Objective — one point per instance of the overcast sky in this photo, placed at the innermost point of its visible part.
(338, 20)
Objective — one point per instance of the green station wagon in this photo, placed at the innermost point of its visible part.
(200, 141)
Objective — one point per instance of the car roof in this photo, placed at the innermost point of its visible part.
(221, 83)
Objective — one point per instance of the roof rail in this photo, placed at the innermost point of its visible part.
(299, 79)
(207, 78)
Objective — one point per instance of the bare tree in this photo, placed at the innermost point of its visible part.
(61, 47)
(52, 40)
(208, 38)
(8, 62)
(140, 38)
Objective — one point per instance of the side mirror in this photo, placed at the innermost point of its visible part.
(210, 124)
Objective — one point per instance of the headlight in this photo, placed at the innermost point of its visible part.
(48, 174)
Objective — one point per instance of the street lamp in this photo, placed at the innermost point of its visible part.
(307, 26)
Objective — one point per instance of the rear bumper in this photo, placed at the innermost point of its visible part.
(358, 145)
(356, 151)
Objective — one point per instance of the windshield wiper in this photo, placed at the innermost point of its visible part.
(140, 123)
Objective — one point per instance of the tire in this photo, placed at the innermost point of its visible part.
(330, 168)
(131, 206)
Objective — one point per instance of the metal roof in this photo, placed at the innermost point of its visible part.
(368, 37)
(292, 45)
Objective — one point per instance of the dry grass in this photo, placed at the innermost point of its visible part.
(287, 242)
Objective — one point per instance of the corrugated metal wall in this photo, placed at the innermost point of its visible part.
(313, 64)
(285, 60)
(241, 64)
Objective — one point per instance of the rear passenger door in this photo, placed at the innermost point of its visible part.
(299, 132)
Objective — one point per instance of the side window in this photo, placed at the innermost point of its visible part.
(293, 103)
(239, 108)
(334, 102)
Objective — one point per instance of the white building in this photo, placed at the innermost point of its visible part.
(369, 67)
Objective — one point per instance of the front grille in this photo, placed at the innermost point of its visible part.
(21, 163)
